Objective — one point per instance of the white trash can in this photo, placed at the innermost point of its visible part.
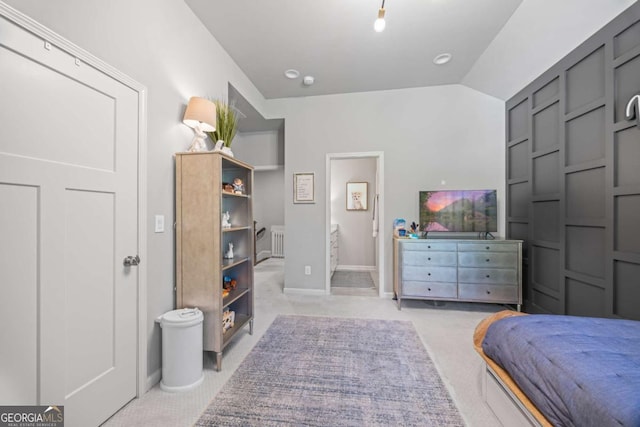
(181, 349)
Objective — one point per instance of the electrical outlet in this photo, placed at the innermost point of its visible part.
(307, 270)
(159, 224)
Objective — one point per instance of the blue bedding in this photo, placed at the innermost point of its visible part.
(578, 371)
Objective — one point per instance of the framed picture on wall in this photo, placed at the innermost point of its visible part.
(357, 196)
(303, 188)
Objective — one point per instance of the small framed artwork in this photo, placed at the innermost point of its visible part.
(303, 188)
(357, 196)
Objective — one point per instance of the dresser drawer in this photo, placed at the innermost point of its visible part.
(487, 247)
(488, 293)
(430, 274)
(489, 259)
(503, 276)
(427, 289)
(444, 259)
(417, 245)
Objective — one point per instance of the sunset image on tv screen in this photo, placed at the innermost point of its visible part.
(459, 210)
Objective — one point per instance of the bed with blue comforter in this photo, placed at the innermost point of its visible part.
(577, 371)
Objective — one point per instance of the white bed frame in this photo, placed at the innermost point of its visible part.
(504, 404)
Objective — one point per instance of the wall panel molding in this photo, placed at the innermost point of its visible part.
(573, 177)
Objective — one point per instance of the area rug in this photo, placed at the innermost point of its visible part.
(320, 371)
(352, 279)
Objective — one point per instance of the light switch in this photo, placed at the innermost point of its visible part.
(159, 224)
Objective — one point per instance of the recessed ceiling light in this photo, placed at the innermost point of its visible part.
(441, 59)
(292, 74)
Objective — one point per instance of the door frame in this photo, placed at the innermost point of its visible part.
(379, 156)
(84, 57)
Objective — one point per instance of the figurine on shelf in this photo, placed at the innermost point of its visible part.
(226, 220)
(227, 187)
(238, 186)
(228, 319)
(229, 253)
(228, 283)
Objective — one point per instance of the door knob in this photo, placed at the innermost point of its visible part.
(131, 260)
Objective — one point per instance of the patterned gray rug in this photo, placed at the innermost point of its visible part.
(352, 279)
(320, 371)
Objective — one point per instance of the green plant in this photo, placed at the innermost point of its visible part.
(226, 123)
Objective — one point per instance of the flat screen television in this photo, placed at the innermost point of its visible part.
(459, 211)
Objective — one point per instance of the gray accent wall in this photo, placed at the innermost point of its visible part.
(573, 177)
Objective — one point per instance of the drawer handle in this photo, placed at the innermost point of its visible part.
(429, 247)
(428, 274)
(429, 259)
(488, 259)
(429, 289)
(488, 275)
(488, 247)
(488, 292)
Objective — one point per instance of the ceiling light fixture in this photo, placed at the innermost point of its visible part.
(442, 59)
(380, 24)
(308, 80)
(292, 74)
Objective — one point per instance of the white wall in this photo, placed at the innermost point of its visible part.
(265, 151)
(355, 239)
(538, 34)
(428, 135)
(268, 204)
(260, 148)
(160, 44)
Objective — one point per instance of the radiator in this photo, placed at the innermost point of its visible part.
(277, 241)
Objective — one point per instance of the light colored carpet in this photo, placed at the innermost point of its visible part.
(445, 331)
(319, 371)
(352, 279)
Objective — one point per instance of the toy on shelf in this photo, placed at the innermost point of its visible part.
(227, 187)
(228, 319)
(229, 283)
(226, 220)
(238, 186)
(229, 253)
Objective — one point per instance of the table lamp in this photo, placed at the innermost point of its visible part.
(201, 116)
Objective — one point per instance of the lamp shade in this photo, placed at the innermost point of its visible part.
(200, 113)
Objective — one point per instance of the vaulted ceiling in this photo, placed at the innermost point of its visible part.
(334, 41)
(497, 46)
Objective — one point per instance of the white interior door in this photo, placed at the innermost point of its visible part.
(68, 190)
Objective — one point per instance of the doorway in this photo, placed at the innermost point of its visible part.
(355, 251)
(75, 182)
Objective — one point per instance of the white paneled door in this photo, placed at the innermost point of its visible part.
(68, 191)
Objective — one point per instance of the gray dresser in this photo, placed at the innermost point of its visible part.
(458, 270)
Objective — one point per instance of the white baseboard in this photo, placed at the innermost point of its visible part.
(153, 379)
(301, 291)
(355, 268)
